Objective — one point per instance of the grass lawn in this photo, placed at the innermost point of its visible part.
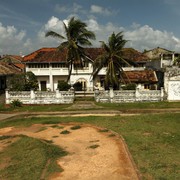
(29, 158)
(34, 108)
(104, 106)
(153, 139)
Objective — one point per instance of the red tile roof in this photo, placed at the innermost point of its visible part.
(134, 55)
(8, 69)
(53, 55)
(140, 76)
(13, 59)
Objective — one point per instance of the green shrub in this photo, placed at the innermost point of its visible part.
(63, 86)
(77, 86)
(131, 86)
(75, 127)
(94, 146)
(64, 132)
(16, 103)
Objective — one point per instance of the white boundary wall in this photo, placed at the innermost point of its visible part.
(40, 97)
(129, 96)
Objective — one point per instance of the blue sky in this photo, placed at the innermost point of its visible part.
(147, 24)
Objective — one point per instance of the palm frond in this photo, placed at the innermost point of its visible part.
(54, 34)
(76, 34)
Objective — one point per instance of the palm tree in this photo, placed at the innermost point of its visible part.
(76, 36)
(112, 59)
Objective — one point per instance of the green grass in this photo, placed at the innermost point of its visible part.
(75, 127)
(104, 106)
(4, 137)
(35, 108)
(153, 139)
(65, 132)
(30, 159)
(94, 146)
(57, 126)
(41, 129)
(140, 105)
(103, 130)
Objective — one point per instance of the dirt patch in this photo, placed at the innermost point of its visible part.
(92, 154)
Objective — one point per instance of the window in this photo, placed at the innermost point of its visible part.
(39, 65)
(146, 86)
(59, 65)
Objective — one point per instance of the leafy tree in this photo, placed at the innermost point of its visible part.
(23, 82)
(112, 59)
(76, 36)
(30, 81)
(177, 61)
(16, 82)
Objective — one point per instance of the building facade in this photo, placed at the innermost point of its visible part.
(49, 66)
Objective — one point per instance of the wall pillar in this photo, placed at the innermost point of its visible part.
(32, 94)
(137, 94)
(162, 93)
(111, 94)
(7, 96)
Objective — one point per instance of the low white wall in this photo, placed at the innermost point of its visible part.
(40, 97)
(173, 90)
(129, 95)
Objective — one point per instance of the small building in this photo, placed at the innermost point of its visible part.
(7, 70)
(145, 79)
(172, 83)
(161, 58)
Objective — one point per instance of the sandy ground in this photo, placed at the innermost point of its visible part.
(110, 160)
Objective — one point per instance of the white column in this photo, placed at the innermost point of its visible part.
(32, 96)
(58, 96)
(7, 96)
(111, 94)
(172, 59)
(51, 78)
(137, 94)
(161, 60)
(162, 93)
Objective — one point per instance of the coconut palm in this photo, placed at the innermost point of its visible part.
(112, 59)
(76, 36)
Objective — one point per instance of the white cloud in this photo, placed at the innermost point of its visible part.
(100, 10)
(75, 8)
(11, 39)
(54, 24)
(14, 41)
(93, 25)
(145, 37)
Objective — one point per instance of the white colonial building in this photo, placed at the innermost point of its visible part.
(50, 67)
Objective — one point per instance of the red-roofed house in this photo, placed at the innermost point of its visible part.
(49, 65)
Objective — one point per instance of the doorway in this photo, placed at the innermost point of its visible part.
(43, 85)
(84, 83)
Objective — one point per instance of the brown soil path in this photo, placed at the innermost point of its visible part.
(109, 160)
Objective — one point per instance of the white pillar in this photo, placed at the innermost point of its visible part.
(7, 96)
(58, 96)
(51, 78)
(162, 93)
(111, 94)
(137, 94)
(172, 59)
(32, 97)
